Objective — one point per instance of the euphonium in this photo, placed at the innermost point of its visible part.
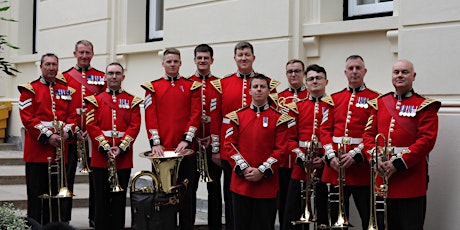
(382, 190)
(311, 151)
(202, 162)
(342, 220)
(113, 176)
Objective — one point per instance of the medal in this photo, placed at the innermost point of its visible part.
(265, 122)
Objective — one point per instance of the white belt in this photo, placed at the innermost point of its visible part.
(108, 133)
(397, 150)
(353, 141)
(304, 144)
(47, 124)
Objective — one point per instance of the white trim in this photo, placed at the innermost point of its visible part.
(355, 9)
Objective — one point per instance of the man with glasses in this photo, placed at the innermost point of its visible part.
(113, 122)
(297, 91)
(310, 113)
(345, 126)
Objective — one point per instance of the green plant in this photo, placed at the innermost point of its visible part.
(11, 218)
(5, 66)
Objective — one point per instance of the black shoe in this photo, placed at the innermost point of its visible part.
(91, 223)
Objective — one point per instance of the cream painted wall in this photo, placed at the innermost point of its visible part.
(423, 31)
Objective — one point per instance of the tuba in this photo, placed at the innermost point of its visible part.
(166, 167)
(309, 213)
(381, 191)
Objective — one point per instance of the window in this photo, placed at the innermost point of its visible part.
(155, 20)
(355, 9)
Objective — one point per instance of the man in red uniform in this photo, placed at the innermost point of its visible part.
(345, 125)
(297, 91)
(172, 117)
(409, 124)
(208, 133)
(309, 116)
(86, 81)
(255, 142)
(235, 94)
(113, 123)
(43, 104)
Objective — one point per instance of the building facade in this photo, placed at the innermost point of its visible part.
(316, 31)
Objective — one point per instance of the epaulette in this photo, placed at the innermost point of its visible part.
(274, 97)
(228, 75)
(92, 99)
(61, 77)
(283, 119)
(196, 85)
(428, 101)
(232, 116)
(148, 86)
(373, 103)
(293, 106)
(217, 85)
(273, 84)
(72, 90)
(27, 86)
(68, 70)
(136, 101)
(328, 100)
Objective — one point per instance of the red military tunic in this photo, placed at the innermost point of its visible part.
(234, 89)
(256, 139)
(410, 125)
(172, 110)
(113, 119)
(283, 101)
(41, 103)
(86, 82)
(311, 112)
(347, 119)
(211, 116)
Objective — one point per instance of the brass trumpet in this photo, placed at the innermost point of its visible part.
(82, 158)
(309, 213)
(113, 176)
(382, 190)
(202, 161)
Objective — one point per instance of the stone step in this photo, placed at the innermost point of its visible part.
(15, 175)
(9, 146)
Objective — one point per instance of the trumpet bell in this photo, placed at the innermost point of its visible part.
(85, 170)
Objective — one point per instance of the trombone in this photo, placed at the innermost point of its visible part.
(309, 213)
(60, 172)
(342, 221)
(81, 149)
(382, 190)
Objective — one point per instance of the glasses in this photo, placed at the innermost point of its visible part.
(110, 74)
(318, 78)
(296, 71)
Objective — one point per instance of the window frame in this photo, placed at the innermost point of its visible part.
(153, 34)
(354, 11)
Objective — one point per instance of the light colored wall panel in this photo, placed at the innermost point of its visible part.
(62, 40)
(375, 50)
(226, 21)
(444, 186)
(57, 13)
(428, 11)
(435, 52)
